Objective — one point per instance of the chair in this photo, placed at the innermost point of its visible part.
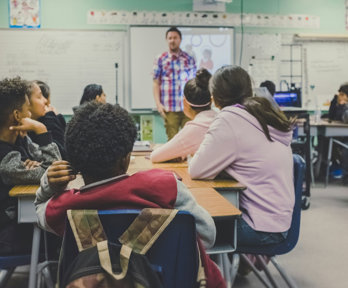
(291, 240)
(175, 251)
(9, 263)
(302, 145)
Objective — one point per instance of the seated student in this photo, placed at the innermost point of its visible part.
(41, 110)
(197, 106)
(339, 104)
(270, 86)
(90, 93)
(267, 90)
(93, 92)
(21, 161)
(99, 141)
(338, 111)
(250, 141)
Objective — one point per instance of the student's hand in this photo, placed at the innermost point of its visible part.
(59, 174)
(28, 124)
(31, 164)
(161, 110)
(49, 108)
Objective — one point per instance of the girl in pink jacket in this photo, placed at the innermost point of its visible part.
(197, 106)
(250, 141)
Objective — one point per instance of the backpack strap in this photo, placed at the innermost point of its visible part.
(105, 262)
(87, 228)
(146, 228)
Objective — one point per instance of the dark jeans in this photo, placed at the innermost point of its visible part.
(16, 239)
(247, 236)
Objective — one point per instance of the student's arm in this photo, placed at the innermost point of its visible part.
(204, 223)
(216, 152)
(55, 180)
(56, 125)
(180, 145)
(14, 171)
(345, 115)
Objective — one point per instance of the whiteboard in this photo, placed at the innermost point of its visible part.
(326, 65)
(260, 56)
(66, 60)
(147, 42)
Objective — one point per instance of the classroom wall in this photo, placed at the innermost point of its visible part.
(66, 14)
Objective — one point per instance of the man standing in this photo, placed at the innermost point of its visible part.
(172, 69)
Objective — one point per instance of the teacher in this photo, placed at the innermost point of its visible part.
(172, 69)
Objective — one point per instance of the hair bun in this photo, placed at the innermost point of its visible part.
(202, 78)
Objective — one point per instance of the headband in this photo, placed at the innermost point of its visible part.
(195, 105)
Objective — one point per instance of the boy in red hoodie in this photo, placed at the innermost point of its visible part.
(99, 141)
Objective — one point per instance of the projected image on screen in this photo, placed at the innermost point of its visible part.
(210, 51)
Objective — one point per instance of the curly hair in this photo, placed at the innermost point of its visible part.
(97, 137)
(12, 96)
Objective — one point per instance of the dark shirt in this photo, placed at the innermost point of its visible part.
(336, 110)
(56, 125)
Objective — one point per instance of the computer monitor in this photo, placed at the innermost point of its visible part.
(288, 98)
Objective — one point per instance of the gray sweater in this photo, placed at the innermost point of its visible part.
(13, 171)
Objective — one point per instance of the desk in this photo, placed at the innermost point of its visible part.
(222, 211)
(328, 129)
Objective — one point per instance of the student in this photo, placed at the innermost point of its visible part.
(99, 141)
(93, 92)
(270, 86)
(39, 97)
(339, 104)
(338, 111)
(197, 107)
(21, 161)
(250, 141)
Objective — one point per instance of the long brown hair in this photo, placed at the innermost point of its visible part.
(231, 85)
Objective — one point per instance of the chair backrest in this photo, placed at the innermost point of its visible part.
(175, 251)
(291, 240)
(13, 261)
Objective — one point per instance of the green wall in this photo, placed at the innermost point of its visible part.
(67, 14)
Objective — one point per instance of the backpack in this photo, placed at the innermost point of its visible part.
(103, 263)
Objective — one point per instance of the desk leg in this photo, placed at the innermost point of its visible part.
(328, 162)
(35, 250)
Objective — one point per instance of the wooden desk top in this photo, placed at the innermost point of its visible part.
(214, 202)
(202, 190)
(209, 198)
(141, 163)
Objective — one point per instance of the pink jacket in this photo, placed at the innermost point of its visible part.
(235, 142)
(187, 141)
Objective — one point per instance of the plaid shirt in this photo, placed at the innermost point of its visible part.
(173, 71)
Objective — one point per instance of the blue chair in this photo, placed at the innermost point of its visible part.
(9, 263)
(291, 240)
(175, 251)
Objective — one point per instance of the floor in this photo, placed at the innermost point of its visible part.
(320, 258)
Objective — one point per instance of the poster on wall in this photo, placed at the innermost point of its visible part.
(24, 13)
